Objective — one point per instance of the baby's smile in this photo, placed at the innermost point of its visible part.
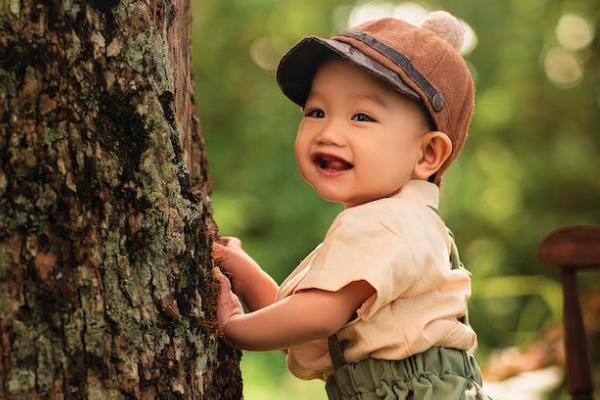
(330, 164)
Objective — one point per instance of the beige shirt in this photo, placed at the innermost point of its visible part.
(402, 248)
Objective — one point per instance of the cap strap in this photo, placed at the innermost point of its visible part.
(436, 98)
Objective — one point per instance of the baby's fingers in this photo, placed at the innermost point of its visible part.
(231, 241)
(225, 247)
(218, 250)
(229, 303)
(223, 280)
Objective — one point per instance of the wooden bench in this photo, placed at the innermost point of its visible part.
(570, 249)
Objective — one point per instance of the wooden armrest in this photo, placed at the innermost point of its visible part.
(576, 246)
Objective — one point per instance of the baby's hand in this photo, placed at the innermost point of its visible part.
(228, 250)
(228, 304)
(255, 287)
(236, 261)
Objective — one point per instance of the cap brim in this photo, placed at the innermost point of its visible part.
(297, 67)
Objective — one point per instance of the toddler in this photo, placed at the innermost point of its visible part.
(378, 310)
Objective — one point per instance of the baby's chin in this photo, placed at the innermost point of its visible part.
(346, 200)
(329, 195)
(334, 191)
(349, 200)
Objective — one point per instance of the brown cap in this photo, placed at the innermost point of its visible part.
(420, 62)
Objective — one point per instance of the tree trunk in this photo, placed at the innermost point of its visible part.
(106, 285)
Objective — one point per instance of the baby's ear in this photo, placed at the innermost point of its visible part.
(436, 147)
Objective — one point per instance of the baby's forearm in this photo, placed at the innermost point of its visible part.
(291, 321)
(257, 289)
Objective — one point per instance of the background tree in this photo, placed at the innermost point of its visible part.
(106, 288)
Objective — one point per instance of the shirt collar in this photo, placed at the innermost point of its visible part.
(420, 191)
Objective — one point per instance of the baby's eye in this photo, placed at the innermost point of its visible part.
(315, 113)
(362, 117)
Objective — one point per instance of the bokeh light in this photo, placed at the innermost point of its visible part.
(574, 32)
(371, 10)
(410, 12)
(563, 68)
(266, 51)
(413, 13)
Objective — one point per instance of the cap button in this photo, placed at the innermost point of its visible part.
(438, 102)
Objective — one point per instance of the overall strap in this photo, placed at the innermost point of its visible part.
(455, 262)
(335, 351)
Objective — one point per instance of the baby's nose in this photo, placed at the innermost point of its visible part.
(332, 134)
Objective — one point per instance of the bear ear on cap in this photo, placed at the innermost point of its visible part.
(446, 26)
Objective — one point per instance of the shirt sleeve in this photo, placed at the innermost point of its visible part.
(361, 245)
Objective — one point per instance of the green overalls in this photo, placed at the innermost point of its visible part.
(439, 373)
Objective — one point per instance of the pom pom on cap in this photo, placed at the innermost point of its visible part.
(446, 26)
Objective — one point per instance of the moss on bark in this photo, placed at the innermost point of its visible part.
(106, 286)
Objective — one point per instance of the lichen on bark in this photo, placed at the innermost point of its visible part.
(106, 285)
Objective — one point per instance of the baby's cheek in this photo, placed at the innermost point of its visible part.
(298, 153)
(300, 145)
(371, 172)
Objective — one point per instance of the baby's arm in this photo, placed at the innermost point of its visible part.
(255, 287)
(307, 315)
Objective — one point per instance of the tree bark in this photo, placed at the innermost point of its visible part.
(106, 284)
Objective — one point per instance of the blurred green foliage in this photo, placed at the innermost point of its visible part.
(531, 162)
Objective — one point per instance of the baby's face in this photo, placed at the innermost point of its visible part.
(358, 140)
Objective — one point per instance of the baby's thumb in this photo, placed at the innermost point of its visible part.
(219, 251)
(222, 278)
(231, 241)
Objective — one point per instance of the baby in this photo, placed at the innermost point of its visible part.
(380, 306)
